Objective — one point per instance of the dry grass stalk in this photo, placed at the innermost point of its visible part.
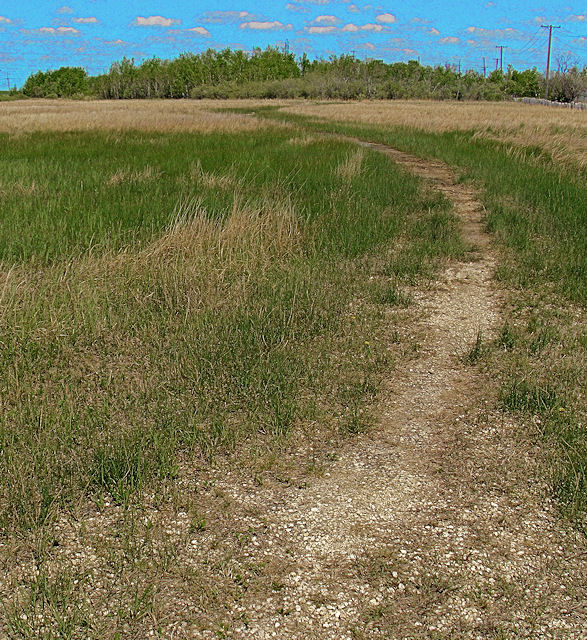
(212, 180)
(303, 141)
(18, 188)
(125, 175)
(352, 166)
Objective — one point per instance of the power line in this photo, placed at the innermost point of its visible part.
(533, 40)
(572, 35)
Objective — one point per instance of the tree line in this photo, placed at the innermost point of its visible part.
(273, 73)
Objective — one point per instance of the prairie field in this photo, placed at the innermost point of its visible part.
(562, 133)
(196, 289)
(153, 115)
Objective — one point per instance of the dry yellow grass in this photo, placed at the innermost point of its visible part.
(303, 141)
(210, 180)
(126, 175)
(204, 261)
(151, 115)
(561, 132)
(255, 235)
(352, 166)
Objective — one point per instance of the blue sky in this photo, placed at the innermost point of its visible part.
(42, 34)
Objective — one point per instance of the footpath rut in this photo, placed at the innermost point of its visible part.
(433, 526)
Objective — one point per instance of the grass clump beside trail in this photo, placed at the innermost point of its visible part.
(536, 207)
(167, 297)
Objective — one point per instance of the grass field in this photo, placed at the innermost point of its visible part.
(171, 297)
(560, 133)
(182, 286)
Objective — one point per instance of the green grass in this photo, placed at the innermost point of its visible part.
(537, 210)
(187, 305)
(67, 193)
(535, 207)
(9, 96)
(171, 299)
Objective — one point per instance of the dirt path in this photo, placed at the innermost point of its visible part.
(434, 526)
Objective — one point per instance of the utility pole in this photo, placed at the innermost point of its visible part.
(550, 27)
(484, 68)
(501, 47)
(496, 63)
(459, 67)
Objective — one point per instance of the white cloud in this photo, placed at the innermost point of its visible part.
(292, 6)
(352, 28)
(90, 20)
(266, 26)
(434, 32)
(326, 20)
(508, 32)
(449, 40)
(320, 30)
(65, 9)
(387, 18)
(371, 27)
(200, 30)
(353, 8)
(117, 43)
(226, 17)
(580, 18)
(58, 30)
(348, 28)
(154, 21)
(5, 20)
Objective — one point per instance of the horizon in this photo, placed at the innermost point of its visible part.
(93, 34)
